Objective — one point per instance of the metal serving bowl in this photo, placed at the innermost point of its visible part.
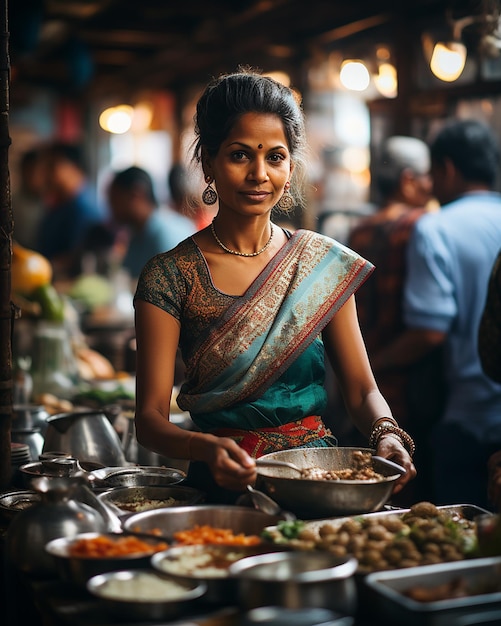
(130, 604)
(135, 476)
(128, 500)
(209, 563)
(297, 579)
(78, 569)
(310, 499)
(166, 522)
(35, 469)
(14, 501)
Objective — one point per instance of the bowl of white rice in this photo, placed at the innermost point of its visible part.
(208, 563)
(145, 594)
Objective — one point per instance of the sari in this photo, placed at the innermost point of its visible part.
(262, 334)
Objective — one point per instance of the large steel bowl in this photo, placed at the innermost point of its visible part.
(165, 522)
(314, 499)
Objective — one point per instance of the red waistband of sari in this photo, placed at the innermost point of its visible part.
(266, 440)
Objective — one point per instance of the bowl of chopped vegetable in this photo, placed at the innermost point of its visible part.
(199, 524)
(82, 556)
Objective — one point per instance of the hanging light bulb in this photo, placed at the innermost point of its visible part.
(386, 80)
(117, 120)
(448, 60)
(354, 75)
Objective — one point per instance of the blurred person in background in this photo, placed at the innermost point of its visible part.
(489, 350)
(27, 204)
(451, 253)
(404, 186)
(70, 208)
(151, 229)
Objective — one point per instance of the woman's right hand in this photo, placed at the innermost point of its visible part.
(231, 467)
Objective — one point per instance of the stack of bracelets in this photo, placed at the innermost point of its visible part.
(386, 426)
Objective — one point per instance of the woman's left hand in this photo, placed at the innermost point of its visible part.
(389, 447)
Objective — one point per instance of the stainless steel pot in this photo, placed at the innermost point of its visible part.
(86, 435)
(310, 499)
(296, 580)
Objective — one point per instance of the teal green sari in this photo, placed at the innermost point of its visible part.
(262, 363)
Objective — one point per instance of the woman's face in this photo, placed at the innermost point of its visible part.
(252, 165)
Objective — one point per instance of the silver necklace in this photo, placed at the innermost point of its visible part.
(236, 252)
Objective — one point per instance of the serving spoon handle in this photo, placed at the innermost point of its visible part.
(270, 463)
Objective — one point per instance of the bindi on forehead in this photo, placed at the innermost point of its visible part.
(260, 146)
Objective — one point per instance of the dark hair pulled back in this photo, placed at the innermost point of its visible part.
(230, 96)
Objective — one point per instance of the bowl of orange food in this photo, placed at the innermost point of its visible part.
(202, 524)
(85, 555)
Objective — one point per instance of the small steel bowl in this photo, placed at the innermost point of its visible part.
(14, 501)
(127, 500)
(208, 563)
(296, 580)
(128, 601)
(35, 469)
(78, 569)
(136, 476)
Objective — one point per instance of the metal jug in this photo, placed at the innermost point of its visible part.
(87, 436)
(29, 416)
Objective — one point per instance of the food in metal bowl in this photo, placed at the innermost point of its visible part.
(144, 594)
(166, 522)
(361, 469)
(210, 563)
(201, 561)
(85, 555)
(313, 498)
(145, 498)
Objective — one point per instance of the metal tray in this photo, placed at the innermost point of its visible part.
(388, 600)
(466, 511)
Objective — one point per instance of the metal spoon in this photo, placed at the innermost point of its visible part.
(390, 464)
(269, 463)
(267, 505)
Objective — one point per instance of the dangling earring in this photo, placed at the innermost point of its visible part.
(209, 195)
(286, 202)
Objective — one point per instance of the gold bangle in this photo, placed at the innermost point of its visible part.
(390, 429)
(384, 419)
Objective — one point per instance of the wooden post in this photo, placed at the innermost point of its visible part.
(6, 228)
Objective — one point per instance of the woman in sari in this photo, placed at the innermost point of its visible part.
(253, 307)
